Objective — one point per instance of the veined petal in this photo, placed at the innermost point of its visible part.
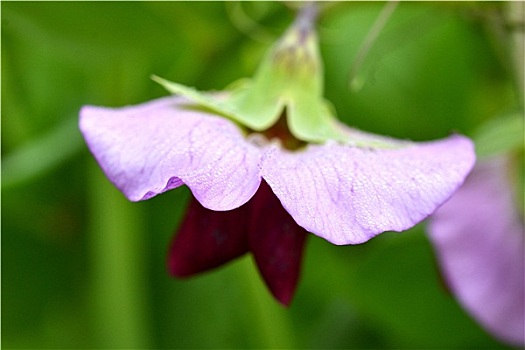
(479, 239)
(348, 194)
(156, 146)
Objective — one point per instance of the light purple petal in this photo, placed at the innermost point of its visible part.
(479, 239)
(347, 194)
(156, 146)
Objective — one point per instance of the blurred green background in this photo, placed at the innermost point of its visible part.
(84, 268)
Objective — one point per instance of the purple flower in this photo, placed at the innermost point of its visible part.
(342, 192)
(479, 238)
(319, 176)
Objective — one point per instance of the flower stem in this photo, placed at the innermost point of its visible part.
(117, 268)
(270, 319)
(307, 16)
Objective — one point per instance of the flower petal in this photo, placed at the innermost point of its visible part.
(207, 239)
(276, 242)
(156, 146)
(479, 239)
(348, 195)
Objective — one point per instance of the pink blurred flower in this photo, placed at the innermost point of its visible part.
(479, 239)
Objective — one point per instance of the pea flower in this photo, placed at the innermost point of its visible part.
(267, 162)
(479, 239)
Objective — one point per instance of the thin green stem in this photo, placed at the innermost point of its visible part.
(370, 40)
(269, 318)
(245, 24)
(516, 19)
(307, 16)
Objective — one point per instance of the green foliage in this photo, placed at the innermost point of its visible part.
(500, 136)
(84, 268)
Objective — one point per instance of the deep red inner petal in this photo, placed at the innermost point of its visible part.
(277, 243)
(207, 239)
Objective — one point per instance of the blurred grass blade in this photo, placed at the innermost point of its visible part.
(118, 255)
(42, 155)
(499, 135)
(268, 317)
(247, 25)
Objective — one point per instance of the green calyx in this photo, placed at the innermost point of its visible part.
(289, 78)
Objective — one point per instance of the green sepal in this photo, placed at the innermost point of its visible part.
(290, 79)
(204, 99)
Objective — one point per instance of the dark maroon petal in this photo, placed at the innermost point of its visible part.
(207, 239)
(276, 242)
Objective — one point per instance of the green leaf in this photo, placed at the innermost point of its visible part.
(204, 99)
